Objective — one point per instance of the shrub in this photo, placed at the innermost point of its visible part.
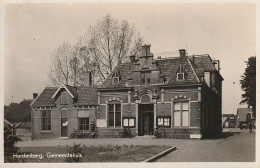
(77, 150)
(9, 145)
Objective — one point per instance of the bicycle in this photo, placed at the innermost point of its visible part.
(74, 134)
(159, 134)
(126, 133)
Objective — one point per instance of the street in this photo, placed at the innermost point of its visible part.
(234, 146)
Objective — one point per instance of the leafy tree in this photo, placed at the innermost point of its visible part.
(9, 144)
(248, 84)
(18, 112)
(99, 50)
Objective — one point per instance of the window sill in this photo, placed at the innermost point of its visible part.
(45, 132)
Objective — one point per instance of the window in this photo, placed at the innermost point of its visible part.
(64, 98)
(116, 78)
(163, 122)
(181, 114)
(114, 115)
(83, 124)
(145, 78)
(46, 120)
(180, 74)
(129, 122)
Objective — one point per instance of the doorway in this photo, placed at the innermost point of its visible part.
(64, 127)
(146, 119)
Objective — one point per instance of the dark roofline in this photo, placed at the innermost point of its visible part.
(181, 85)
(114, 88)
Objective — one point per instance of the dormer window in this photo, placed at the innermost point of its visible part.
(145, 78)
(116, 78)
(181, 74)
(64, 98)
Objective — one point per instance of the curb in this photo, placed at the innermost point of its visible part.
(158, 156)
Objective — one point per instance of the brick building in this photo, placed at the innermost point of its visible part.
(57, 111)
(182, 94)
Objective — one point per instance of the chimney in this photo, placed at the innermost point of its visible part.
(88, 79)
(146, 49)
(216, 64)
(132, 58)
(35, 95)
(182, 53)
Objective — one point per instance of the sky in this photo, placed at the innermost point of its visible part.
(32, 31)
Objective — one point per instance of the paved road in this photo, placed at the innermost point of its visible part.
(230, 147)
(234, 146)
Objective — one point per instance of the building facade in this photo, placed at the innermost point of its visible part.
(182, 95)
(57, 112)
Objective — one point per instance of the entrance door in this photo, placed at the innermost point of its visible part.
(147, 123)
(145, 119)
(64, 127)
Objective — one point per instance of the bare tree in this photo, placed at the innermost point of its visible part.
(60, 67)
(99, 50)
(111, 43)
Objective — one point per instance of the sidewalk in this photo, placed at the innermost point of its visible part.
(139, 140)
(101, 141)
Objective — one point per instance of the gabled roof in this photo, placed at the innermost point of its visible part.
(84, 95)
(8, 122)
(70, 89)
(87, 95)
(203, 61)
(125, 70)
(168, 67)
(45, 98)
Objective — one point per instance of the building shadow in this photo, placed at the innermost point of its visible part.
(223, 135)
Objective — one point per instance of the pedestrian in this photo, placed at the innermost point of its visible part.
(250, 126)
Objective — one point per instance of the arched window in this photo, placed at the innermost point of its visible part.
(145, 98)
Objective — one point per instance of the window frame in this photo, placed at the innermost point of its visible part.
(181, 114)
(46, 120)
(115, 115)
(113, 81)
(84, 124)
(163, 117)
(145, 76)
(61, 95)
(180, 72)
(128, 118)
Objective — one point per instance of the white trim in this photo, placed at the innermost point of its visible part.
(182, 74)
(155, 114)
(34, 100)
(168, 102)
(193, 70)
(57, 91)
(196, 136)
(194, 101)
(8, 122)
